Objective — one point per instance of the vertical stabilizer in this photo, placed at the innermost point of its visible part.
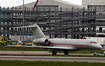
(37, 31)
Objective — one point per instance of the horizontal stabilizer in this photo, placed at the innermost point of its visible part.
(31, 26)
(36, 31)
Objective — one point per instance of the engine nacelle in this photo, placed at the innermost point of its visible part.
(41, 40)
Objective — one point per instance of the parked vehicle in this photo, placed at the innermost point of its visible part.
(4, 41)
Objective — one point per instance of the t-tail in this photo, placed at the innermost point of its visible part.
(40, 38)
(37, 31)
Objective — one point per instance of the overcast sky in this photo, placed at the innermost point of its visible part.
(10, 3)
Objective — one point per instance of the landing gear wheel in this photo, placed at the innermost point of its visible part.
(4, 44)
(95, 53)
(66, 52)
(54, 52)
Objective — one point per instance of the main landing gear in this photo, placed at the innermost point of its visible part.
(66, 52)
(54, 52)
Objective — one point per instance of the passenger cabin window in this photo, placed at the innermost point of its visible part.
(93, 42)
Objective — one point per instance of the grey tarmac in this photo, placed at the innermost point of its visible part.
(37, 53)
(52, 58)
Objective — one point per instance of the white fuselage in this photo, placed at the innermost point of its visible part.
(62, 44)
(78, 44)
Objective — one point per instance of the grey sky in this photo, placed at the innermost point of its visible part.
(10, 3)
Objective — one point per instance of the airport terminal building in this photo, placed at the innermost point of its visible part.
(56, 18)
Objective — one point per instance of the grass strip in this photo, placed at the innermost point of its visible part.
(47, 63)
(4, 48)
(51, 55)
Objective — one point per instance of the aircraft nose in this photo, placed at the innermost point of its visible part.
(100, 47)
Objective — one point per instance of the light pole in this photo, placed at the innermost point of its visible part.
(23, 21)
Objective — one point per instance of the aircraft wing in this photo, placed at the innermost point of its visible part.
(56, 47)
(50, 47)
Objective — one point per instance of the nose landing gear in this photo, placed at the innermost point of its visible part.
(94, 52)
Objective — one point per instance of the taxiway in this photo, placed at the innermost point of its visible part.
(52, 58)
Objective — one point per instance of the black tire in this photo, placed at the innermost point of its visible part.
(54, 52)
(4, 44)
(66, 52)
(0, 44)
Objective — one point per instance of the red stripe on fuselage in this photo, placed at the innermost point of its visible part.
(65, 44)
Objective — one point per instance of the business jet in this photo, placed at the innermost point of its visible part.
(57, 44)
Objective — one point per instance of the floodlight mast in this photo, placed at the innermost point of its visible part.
(23, 21)
(24, 15)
